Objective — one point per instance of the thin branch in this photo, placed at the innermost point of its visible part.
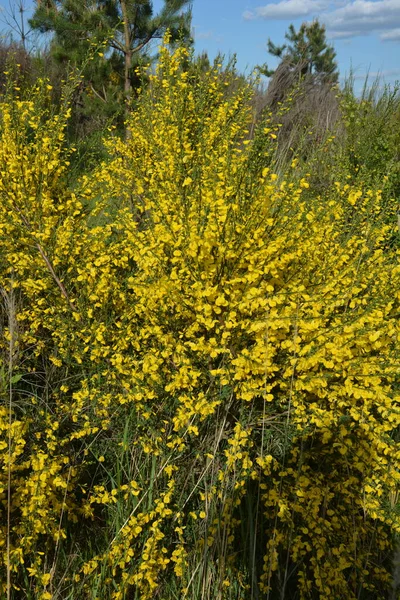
(140, 46)
(97, 93)
(55, 277)
(17, 23)
(48, 262)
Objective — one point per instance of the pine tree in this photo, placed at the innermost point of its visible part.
(127, 27)
(308, 51)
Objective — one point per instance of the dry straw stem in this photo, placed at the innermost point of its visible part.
(56, 550)
(306, 111)
(9, 304)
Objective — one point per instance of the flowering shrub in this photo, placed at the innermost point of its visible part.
(199, 360)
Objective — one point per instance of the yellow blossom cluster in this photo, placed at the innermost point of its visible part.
(198, 359)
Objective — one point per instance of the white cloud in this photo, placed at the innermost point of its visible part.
(204, 35)
(347, 20)
(362, 17)
(341, 35)
(391, 35)
(201, 34)
(287, 9)
(390, 73)
(379, 75)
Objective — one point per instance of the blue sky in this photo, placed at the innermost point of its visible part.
(364, 33)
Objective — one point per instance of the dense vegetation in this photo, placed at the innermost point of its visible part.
(199, 330)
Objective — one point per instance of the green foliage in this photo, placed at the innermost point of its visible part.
(372, 133)
(124, 29)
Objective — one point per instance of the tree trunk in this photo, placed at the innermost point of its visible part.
(128, 62)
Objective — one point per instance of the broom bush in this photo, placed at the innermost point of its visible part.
(199, 361)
